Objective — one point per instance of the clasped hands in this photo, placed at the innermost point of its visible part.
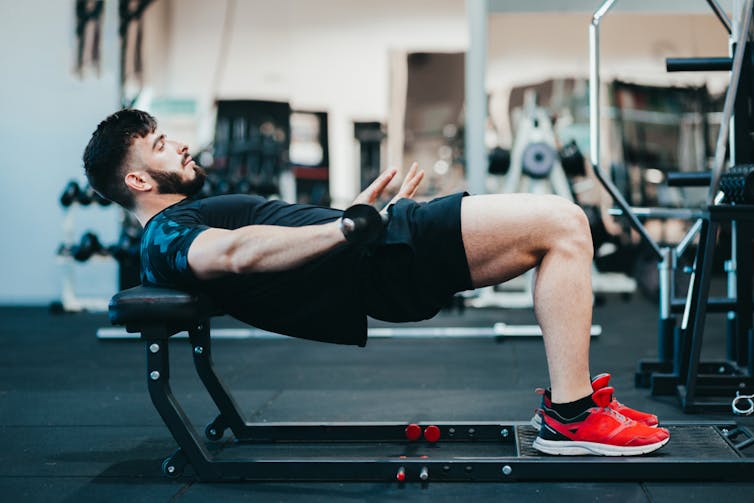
(408, 188)
(361, 222)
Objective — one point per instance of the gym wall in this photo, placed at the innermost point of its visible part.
(530, 47)
(330, 55)
(47, 114)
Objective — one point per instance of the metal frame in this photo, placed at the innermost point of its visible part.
(678, 368)
(419, 460)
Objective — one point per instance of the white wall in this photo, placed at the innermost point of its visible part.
(46, 117)
(532, 47)
(330, 55)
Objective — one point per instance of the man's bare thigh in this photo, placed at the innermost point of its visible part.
(505, 235)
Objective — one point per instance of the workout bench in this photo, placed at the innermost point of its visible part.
(383, 451)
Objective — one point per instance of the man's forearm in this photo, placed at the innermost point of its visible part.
(262, 248)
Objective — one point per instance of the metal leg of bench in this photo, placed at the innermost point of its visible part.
(230, 414)
(158, 381)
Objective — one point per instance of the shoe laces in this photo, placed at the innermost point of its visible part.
(620, 417)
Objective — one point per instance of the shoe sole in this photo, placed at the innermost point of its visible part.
(536, 422)
(573, 448)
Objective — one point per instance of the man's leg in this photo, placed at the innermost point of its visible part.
(506, 235)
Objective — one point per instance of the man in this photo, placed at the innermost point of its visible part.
(290, 268)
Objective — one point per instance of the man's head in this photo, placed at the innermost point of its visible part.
(127, 158)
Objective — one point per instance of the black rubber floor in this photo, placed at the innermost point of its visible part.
(76, 423)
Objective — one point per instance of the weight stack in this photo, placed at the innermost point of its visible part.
(738, 184)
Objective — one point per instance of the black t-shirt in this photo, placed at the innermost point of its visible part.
(318, 300)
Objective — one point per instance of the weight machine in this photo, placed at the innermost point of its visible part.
(490, 451)
(535, 168)
(399, 452)
(678, 369)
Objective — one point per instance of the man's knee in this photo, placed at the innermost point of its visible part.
(570, 228)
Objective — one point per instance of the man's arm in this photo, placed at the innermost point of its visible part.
(265, 248)
(260, 248)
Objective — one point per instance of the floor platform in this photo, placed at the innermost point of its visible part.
(701, 452)
(77, 423)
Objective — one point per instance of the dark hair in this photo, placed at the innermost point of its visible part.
(106, 152)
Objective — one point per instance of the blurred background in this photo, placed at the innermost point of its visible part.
(309, 101)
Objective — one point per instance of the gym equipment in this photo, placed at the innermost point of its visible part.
(572, 159)
(499, 161)
(74, 193)
(498, 332)
(370, 136)
(362, 224)
(88, 13)
(678, 369)
(735, 405)
(70, 194)
(250, 149)
(88, 246)
(310, 158)
(382, 451)
(737, 184)
(535, 167)
(78, 250)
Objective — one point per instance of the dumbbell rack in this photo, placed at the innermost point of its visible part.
(69, 300)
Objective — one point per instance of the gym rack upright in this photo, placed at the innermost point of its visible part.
(678, 369)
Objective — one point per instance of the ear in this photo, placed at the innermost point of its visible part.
(139, 181)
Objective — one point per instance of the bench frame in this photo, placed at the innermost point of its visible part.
(513, 437)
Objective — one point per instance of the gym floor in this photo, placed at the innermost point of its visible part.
(76, 422)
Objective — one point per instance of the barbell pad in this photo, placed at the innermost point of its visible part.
(362, 224)
(688, 178)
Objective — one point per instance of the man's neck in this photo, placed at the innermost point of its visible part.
(149, 207)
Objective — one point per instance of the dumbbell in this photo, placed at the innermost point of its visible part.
(101, 200)
(88, 246)
(572, 159)
(126, 249)
(499, 161)
(70, 193)
(362, 224)
(86, 196)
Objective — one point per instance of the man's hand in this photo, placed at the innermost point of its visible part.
(410, 184)
(408, 188)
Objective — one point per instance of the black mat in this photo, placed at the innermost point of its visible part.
(76, 423)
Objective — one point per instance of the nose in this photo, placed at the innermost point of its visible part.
(180, 147)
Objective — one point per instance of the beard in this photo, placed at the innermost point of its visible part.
(173, 183)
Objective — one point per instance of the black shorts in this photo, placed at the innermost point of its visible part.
(420, 265)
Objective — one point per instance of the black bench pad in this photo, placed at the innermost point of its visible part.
(144, 304)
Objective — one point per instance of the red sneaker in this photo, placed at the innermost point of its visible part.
(598, 431)
(599, 382)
